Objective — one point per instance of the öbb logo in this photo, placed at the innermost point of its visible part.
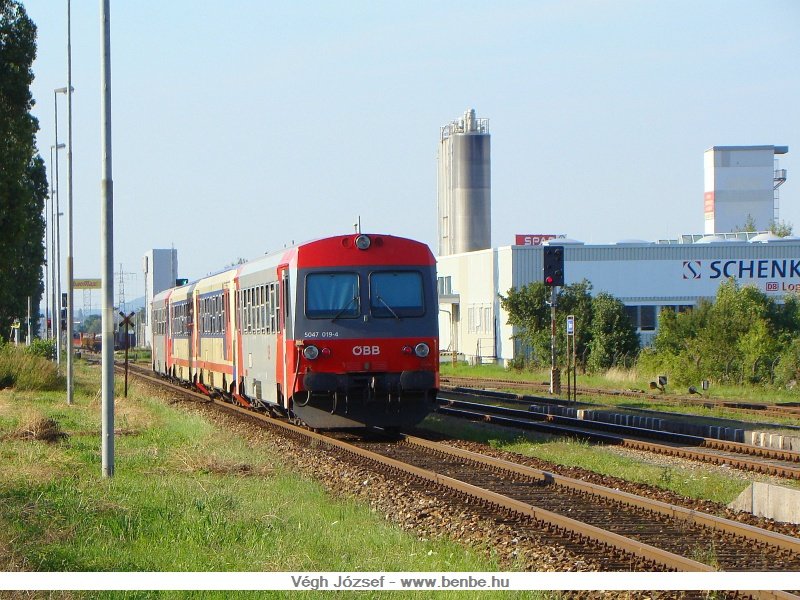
(366, 350)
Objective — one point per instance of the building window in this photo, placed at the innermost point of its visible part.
(643, 318)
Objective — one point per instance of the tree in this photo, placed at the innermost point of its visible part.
(91, 324)
(749, 224)
(23, 180)
(613, 337)
(528, 311)
(781, 228)
(743, 336)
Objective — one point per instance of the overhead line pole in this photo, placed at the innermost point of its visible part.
(107, 249)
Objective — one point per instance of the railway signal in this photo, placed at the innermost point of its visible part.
(553, 266)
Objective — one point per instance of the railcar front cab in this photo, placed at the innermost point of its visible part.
(367, 339)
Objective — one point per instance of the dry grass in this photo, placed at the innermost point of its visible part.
(622, 375)
(42, 430)
(216, 465)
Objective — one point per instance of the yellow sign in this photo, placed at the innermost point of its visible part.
(86, 284)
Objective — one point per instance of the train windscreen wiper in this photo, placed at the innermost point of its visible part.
(345, 308)
(389, 308)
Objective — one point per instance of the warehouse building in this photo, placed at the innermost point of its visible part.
(645, 276)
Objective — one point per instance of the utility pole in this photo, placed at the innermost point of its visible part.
(122, 274)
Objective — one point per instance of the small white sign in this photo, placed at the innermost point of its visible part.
(570, 324)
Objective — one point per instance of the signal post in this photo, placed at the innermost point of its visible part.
(553, 277)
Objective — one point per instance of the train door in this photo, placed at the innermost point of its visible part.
(191, 330)
(269, 351)
(227, 350)
(285, 348)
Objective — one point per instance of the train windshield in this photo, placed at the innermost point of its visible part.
(332, 296)
(396, 294)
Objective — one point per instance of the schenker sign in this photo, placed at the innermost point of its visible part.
(742, 269)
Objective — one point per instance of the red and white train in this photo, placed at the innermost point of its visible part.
(338, 332)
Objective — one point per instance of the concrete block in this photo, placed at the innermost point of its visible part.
(771, 501)
(738, 435)
(776, 441)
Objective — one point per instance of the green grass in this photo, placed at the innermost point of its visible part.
(186, 496)
(691, 483)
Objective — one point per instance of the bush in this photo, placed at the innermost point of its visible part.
(24, 370)
(44, 348)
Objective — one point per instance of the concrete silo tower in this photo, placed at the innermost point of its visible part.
(464, 194)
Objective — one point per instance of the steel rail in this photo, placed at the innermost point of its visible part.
(677, 512)
(557, 425)
(717, 444)
(761, 408)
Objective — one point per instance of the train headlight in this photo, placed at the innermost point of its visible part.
(363, 242)
(311, 352)
(422, 350)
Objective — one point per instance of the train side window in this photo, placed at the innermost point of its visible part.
(332, 296)
(396, 294)
(248, 311)
(262, 321)
(261, 309)
(267, 309)
(273, 303)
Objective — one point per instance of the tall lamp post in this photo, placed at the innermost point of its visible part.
(70, 274)
(48, 246)
(68, 324)
(56, 267)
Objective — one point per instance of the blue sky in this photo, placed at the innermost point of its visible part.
(242, 126)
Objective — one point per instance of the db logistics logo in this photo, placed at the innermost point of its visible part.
(691, 269)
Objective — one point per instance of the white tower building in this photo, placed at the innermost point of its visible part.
(160, 272)
(741, 184)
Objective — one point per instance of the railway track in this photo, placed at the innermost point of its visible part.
(788, 409)
(619, 531)
(780, 463)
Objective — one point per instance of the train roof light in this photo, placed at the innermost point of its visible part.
(363, 242)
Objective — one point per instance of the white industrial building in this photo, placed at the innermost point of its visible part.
(741, 184)
(160, 268)
(645, 276)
